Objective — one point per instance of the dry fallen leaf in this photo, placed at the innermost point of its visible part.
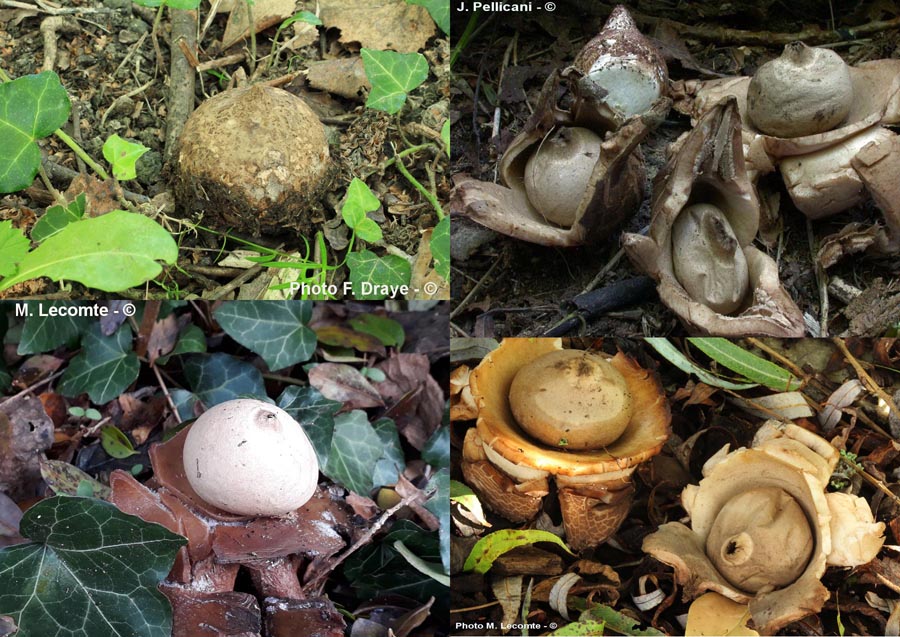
(389, 24)
(342, 76)
(266, 13)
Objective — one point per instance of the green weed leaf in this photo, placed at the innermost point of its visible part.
(31, 107)
(111, 253)
(89, 570)
(359, 201)
(184, 5)
(426, 568)
(392, 75)
(740, 361)
(276, 330)
(440, 248)
(385, 329)
(66, 479)
(58, 217)
(439, 11)
(614, 620)
(495, 544)
(115, 443)
(14, 246)
(105, 366)
(302, 16)
(367, 267)
(122, 154)
(216, 378)
(679, 360)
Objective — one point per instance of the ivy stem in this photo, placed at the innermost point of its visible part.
(4, 76)
(422, 189)
(71, 143)
(252, 26)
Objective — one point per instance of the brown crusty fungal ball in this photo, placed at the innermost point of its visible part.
(571, 398)
(805, 91)
(253, 159)
(761, 539)
(558, 173)
(251, 458)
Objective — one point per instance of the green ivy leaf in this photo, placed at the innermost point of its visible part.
(184, 5)
(112, 253)
(495, 544)
(191, 341)
(355, 449)
(386, 330)
(216, 378)
(122, 154)
(115, 443)
(89, 570)
(315, 413)
(439, 505)
(45, 333)
(358, 202)
(378, 569)
(436, 451)
(392, 461)
(31, 107)
(392, 75)
(276, 330)
(58, 217)
(367, 267)
(105, 366)
(440, 248)
(439, 11)
(14, 246)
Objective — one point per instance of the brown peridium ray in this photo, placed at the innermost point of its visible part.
(200, 586)
(707, 171)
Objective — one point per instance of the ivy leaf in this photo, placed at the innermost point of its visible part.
(31, 107)
(216, 378)
(360, 200)
(392, 461)
(302, 16)
(386, 330)
(45, 333)
(439, 11)
(276, 330)
(122, 154)
(316, 415)
(368, 268)
(112, 253)
(58, 217)
(436, 451)
(355, 449)
(105, 366)
(392, 75)
(438, 504)
(14, 246)
(440, 248)
(89, 570)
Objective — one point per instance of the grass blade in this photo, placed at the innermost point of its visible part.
(679, 360)
(740, 361)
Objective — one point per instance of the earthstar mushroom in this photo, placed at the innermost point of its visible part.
(249, 457)
(512, 471)
(747, 539)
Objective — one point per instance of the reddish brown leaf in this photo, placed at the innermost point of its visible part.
(315, 617)
(416, 400)
(34, 369)
(198, 614)
(163, 337)
(25, 432)
(345, 384)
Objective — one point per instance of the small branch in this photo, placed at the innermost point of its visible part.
(867, 380)
(71, 143)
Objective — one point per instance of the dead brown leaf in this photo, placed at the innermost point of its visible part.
(342, 76)
(390, 24)
(416, 400)
(344, 384)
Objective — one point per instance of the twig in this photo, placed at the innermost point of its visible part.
(42, 7)
(365, 538)
(865, 378)
(124, 98)
(182, 77)
(28, 390)
(63, 174)
(165, 391)
(609, 266)
(821, 279)
(462, 305)
(134, 49)
(875, 482)
(218, 63)
(49, 27)
(236, 283)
